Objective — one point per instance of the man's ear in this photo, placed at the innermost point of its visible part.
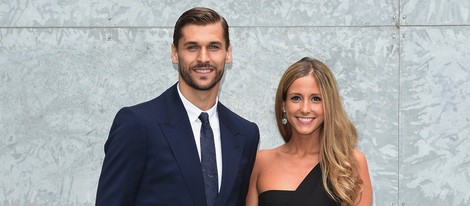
(174, 54)
(228, 56)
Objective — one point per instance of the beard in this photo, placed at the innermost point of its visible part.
(189, 80)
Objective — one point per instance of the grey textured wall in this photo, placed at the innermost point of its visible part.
(403, 67)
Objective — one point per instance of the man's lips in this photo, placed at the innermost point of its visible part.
(203, 71)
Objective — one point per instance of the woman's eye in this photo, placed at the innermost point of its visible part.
(295, 98)
(316, 99)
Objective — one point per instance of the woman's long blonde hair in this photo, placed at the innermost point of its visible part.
(338, 134)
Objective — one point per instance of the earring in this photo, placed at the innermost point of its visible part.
(284, 119)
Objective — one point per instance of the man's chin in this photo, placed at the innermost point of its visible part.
(203, 87)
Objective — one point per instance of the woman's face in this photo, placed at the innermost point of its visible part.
(304, 107)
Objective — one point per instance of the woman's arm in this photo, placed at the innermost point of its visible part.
(365, 197)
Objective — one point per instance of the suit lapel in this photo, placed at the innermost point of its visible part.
(177, 131)
(230, 153)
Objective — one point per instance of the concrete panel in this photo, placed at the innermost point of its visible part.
(435, 12)
(99, 13)
(434, 116)
(59, 91)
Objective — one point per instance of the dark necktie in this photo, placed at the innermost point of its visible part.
(208, 162)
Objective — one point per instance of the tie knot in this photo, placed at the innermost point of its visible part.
(204, 117)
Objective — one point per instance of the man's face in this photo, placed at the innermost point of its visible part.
(201, 55)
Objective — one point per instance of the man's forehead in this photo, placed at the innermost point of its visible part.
(202, 33)
(195, 27)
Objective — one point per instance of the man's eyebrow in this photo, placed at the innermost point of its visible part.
(193, 43)
(215, 42)
(190, 43)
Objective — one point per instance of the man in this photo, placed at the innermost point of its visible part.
(156, 152)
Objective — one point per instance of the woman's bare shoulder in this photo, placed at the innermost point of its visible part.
(266, 155)
(360, 157)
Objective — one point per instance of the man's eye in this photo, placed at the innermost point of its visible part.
(214, 47)
(191, 48)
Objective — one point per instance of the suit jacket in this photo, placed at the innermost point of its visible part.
(151, 156)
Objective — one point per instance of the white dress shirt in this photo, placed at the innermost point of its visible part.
(193, 114)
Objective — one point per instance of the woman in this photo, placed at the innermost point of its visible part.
(318, 164)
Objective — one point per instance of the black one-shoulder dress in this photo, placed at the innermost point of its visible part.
(310, 192)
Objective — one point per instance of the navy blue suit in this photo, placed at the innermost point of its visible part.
(151, 156)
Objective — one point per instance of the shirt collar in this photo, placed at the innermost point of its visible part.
(193, 111)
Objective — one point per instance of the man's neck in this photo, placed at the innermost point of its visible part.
(202, 99)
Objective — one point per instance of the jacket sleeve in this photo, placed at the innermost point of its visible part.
(252, 148)
(124, 161)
